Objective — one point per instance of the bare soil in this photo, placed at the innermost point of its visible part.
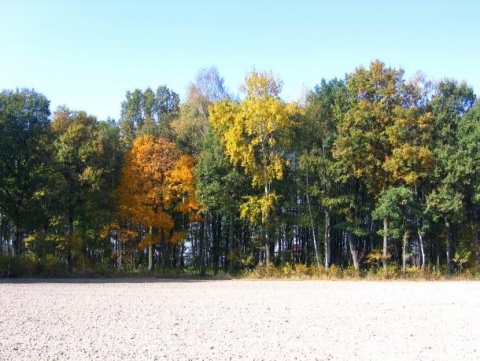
(238, 320)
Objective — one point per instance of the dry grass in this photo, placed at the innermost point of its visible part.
(392, 272)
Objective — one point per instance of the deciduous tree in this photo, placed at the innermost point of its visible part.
(192, 125)
(382, 138)
(24, 131)
(256, 134)
(148, 112)
(396, 208)
(86, 169)
(324, 105)
(451, 101)
(156, 182)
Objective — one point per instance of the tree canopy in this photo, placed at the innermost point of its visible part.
(372, 169)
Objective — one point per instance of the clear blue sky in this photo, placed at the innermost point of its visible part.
(86, 54)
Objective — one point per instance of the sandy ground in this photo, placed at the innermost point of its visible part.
(239, 320)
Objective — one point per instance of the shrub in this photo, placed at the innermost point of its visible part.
(4, 263)
(54, 266)
(334, 272)
(287, 270)
(391, 272)
(30, 264)
(27, 264)
(302, 271)
(351, 272)
(317, 271)
(263, 270)
(471, 273)
(415, 272)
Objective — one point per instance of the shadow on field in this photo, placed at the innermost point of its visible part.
(190, 279)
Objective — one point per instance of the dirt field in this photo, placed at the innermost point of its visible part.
(249, 320)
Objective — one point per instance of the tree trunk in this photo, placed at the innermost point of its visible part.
(231, 246)
(182, 252)
(1, 234)
(216, 235)
(69, 242)
(267, 239)
(404, 253)
(272, 244)
(16, 249)
(164, 249)
(267, 246)
(422, 246)
(327, 240)
(385, 242)
(119, 243)
(165, 255)
(202, 268)
(477, 250)
(420, 237)
(318, 256)
(150, 257)
(353, 252)
(476, 240)
(150, 251)
(449, 248)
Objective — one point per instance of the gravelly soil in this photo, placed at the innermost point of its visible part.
(249, 320)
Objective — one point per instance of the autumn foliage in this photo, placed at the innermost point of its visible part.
(156, 185)
(372, 171)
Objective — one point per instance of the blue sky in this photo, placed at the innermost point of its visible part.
(86, 54)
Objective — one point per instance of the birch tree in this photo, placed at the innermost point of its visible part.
(256, 134)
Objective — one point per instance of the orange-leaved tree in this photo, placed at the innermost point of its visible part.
(156, 184)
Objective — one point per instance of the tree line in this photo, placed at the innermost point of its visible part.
(371, 172)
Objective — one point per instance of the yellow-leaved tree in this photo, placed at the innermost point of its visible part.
(156, 183)
(256, 133)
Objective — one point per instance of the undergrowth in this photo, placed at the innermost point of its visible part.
(29, 265)
(392, 272)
